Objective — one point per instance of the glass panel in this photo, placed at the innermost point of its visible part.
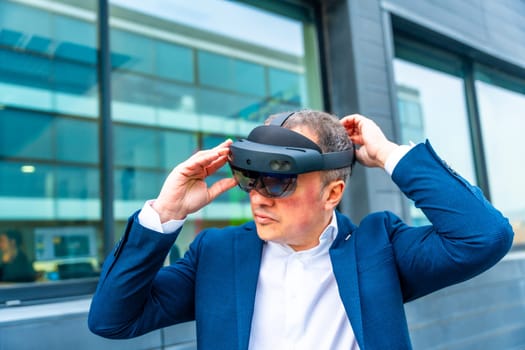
(49, 176)
(25, 134)
(174, 62)
(48, 58)
(77, 182)
(180, 83)
(25, 180)
(501, 104)
(431, 104)
(76, 141)
(285, 85)
(136, 146)
(223, 72)
(136, 184)
(176, 146)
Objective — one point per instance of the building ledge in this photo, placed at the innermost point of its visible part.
(20, 314)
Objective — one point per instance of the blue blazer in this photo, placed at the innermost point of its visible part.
(378, 265)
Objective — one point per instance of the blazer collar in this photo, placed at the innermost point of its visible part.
(344, 265)
(248, 252)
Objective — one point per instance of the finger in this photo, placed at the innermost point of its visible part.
(196, 165)
(224, 147)
(352, 120)
(220, 187)
(216, 165)
(353, 124)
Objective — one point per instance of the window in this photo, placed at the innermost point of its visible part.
(49, 166)
(178, 84)
(501, 104)
(432, 105)
(480, 142)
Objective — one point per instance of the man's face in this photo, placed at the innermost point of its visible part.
(4, 242)
(298, 219)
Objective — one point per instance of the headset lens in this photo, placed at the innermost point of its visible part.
(268, 185)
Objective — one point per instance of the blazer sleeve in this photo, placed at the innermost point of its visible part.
(467, 234)
(135, 294)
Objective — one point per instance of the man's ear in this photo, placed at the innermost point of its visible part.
(333, 193)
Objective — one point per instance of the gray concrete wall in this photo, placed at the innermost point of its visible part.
(487, 312)
(495, 28)
(63, 326)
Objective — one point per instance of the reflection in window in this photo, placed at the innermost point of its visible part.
(25, 180)
(501, 105)
(285, 85)
(48, 61)
(431, 104)
(76, 140)
(77, 182)
(232, 80)
(135, 146)
(224, 72)
(26, 134)
(15, 265)
(49, 175)
(143, 158)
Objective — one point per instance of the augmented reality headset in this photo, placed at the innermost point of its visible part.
(274, 149)
(273, 155)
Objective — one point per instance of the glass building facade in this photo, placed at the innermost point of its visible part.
(178, 84)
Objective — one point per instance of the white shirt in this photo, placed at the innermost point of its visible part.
(297, 303)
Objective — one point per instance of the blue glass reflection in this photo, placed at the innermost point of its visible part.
(48, 181)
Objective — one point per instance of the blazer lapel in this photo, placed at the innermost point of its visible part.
(247, 250)
(344, 264)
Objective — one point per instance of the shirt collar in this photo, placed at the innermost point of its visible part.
(325, 242)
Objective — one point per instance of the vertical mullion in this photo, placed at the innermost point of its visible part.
(475, 128)
(105, 127)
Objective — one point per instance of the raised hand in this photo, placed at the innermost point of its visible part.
(373, 146)
(185, 191)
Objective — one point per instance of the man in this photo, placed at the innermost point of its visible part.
(300, 275)
(14, 265)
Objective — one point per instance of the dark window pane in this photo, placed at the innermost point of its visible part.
(136, 147)
(249, 78)
(77, 182)
(231, 74)
(26, 180)
(76, 141)
(285, 85)
(176, 147)
(174, 62)
(215, 70)
(135, 52)
(25, 134)
(133, 184)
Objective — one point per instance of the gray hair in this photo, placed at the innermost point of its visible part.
(331, 137)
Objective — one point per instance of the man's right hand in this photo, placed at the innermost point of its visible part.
(373, 146)
(185, 191)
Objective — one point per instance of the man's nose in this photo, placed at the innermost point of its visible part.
(259, 199)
